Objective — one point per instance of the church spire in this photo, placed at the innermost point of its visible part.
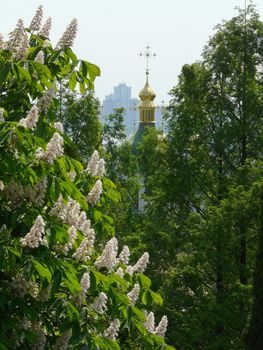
(147, 95)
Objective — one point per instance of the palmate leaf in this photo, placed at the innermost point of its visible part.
(42, 270)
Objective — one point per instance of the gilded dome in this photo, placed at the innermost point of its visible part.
(147, 93)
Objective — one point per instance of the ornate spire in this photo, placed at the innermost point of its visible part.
(147, 95)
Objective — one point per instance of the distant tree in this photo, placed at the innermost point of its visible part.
(80, 117)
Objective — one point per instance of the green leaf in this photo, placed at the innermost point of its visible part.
(145, 282)
(42, 270)
(156, 297)
(4, 73)
(21, 73)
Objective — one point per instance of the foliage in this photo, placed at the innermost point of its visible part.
(50, 282)
(80, 117)
(202, 218)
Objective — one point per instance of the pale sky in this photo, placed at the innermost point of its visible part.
(112, 33)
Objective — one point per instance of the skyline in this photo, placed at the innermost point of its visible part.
(111, 34)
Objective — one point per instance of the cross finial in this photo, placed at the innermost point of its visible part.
(147, 54)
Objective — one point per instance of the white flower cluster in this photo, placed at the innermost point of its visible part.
(85, 248)
(16, 37)
(160, 329)
(35, 24)
(150, 322)
(45, 101)
(23, 48)
(70, 214)
(40, 57)
(108, 257)
(100, 303)
(72, 234)
(41, 339)
(59, 126)
(2, 43)
(124, 255)
(141, 264)
(31, 119)
(112, 331)
(2, 119)
(54, 149)
(2, 185)
(16, 193)
(45, 30)
(96, 166)
(69, 35)
(120, 272)
(94, 195)
(62, 342)
(134, 294)
(85, 285)
(35, 237)
(19, 286)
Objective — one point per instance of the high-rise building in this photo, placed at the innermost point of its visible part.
(121, 98)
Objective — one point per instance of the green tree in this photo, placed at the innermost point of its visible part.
(80, 117)
(59, 288)
(202, 209)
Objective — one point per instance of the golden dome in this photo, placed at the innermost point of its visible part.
(147, 93)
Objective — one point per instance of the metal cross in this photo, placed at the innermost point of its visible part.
(147, 54)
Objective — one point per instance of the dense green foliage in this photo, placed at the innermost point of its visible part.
(202, 220)
(53, 274)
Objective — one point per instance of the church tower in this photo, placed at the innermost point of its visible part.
(146, 108)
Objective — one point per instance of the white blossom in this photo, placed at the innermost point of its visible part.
(129, 270)
(34, 238)
(16, 37)
(108, 257)
(2, 119)
(141, 264)
(40, 340)
(40, 57)
(36, 193)
(54, 149)
(93, 164)
(72, 233)
(120, 272)
(85, 285)
(31, 119)
(62, 341)
(100, 303)
(59, 126)
(59, 209)
(95, 193)
(45, 30)
(35, 24)
(45, 101)
(19, 286)
(100, 168)
(112, 331)
(150, 323)
(2, 185)
(85, 248)
(21, 51)
(162, 327)
(69, 35)
(124, 255)
(2, 43)
(134, 294)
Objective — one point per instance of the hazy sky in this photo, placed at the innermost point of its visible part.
(111, 33)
